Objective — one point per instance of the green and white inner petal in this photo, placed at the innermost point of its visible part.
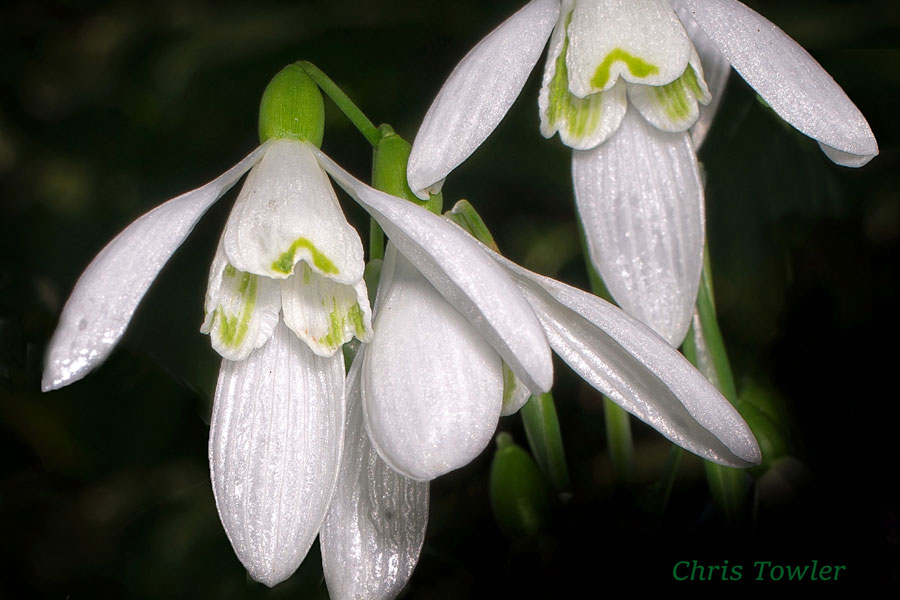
(241, 309)
(641, 41)
(286, 212)
(515, 393)
(674, 106)
(325, 314)
(582, 123)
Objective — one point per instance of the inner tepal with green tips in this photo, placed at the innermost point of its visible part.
(603, 54)
(287, 250)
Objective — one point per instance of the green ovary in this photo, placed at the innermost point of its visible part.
(285, 263)
(636, 66)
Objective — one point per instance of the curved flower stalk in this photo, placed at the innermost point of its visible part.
(623, 86)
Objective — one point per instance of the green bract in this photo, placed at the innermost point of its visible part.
(292, 108)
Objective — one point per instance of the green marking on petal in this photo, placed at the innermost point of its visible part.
(285, 263)
(356, 318)
(690, 80)
(335, 328)
(677, 98)
(509, 384)
(638, 67)
(233, 328)
(580, 115)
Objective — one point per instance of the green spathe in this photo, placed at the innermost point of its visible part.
(292, 108)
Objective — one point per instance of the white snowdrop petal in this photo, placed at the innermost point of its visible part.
(787, 78)
(241, 309)
(431, 386)
(468, 279)
(716, 70)
(325, 314)
(478, 93)
(643, 42)
(108, 292)
(275, 444)
(286, 212)
(640, 199)
(376, 522)
(637, 369)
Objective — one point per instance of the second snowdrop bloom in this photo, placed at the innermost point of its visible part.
(623, 85)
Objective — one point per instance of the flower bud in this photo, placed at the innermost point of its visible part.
(520, 496)
(292, 107)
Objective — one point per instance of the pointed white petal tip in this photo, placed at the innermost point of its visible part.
(478, 93)
(108, 292)
(638, 370)
(791, 81)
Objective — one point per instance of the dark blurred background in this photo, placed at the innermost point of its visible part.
(107, 108)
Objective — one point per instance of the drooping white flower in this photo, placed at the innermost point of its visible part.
(623, 85)
(277, 436)
(415, 406)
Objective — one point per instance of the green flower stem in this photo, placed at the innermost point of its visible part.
(342, 101)
(545, 440)
(618, 423)
(618, 439)
(705, 348)
(376, 240)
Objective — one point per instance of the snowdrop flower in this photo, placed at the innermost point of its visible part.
(449, 319)
(413, 404)
(288, 458)
(635, 170)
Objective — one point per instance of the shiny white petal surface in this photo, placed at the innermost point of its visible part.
(478, 93)
(376, 523)
(275, 444)
(582, 123)
(242, 309)
(643, 42)
(641, 202)
(325, 314)
(286, 212)
(109, 290)
(638, 370)
(787, 78)
(431, 386)
(716, 70)
(467, 278)
(675, 106)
